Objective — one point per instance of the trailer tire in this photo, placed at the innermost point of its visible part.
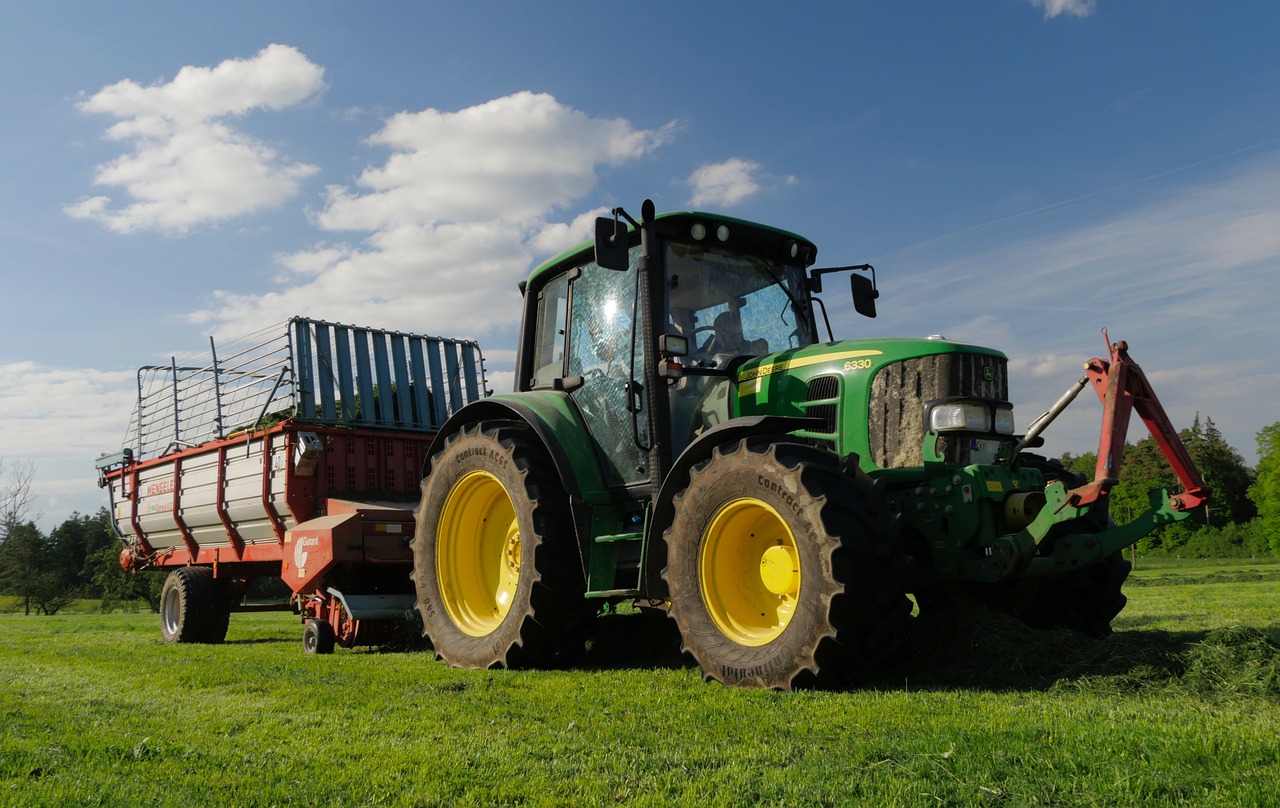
(194, 606)
(496, 562)
(317, 637)
(784, 569)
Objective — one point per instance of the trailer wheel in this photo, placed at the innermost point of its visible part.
(495, 559)
(783, 569)
(317, 637)
(194, 606)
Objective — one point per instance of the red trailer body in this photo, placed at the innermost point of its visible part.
(322, 499)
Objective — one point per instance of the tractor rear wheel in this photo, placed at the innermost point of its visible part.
(783, 568)
(496, 565)
(194, 606)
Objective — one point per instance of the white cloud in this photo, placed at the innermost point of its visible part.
(452, 217)
(1076, 8)
(61, 420)
(1188, 278)
(725, 183)
(558, 237)
(79, 411)
(188, 165)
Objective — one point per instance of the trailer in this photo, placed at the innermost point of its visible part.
(294, 453)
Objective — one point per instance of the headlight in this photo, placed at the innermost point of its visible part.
(1004, 420)
(967, 415)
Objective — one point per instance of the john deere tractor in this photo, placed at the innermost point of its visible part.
(680, 437)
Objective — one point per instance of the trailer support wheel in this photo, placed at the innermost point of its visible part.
(783, 568)
(317, 637)
(496, 563)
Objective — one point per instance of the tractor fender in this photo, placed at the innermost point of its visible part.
(554, 418)
(677, 478)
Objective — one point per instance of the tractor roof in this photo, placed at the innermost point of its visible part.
(670, 224)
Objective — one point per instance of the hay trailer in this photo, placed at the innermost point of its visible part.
(294, 453)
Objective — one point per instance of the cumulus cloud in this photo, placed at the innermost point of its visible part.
(1076, 8)
(729, 182)
(450, 219)
(189, 166)
(76, 412)
(725, 183)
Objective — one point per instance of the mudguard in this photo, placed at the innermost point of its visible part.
(555, 419)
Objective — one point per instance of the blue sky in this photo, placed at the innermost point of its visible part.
(1022, 173)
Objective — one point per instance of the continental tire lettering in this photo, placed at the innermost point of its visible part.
(480, 451)
(772, 485)
(751, 672)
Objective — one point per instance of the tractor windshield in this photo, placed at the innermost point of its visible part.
(730, 305)
(727, 305)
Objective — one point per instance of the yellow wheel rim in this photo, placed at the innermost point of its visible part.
(749, 571)
(478, 553)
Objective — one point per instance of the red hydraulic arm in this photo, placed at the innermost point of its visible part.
(1123, 388)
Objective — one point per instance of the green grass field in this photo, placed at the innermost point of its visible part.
(1180, 707)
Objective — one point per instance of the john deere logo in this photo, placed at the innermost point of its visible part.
(988, 374)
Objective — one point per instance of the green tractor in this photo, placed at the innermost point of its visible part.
(680, 438)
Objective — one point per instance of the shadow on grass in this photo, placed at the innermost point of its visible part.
(989, 651)
(983, 650)
(645, 640)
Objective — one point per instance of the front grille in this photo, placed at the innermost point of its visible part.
(900, 390)
(822, 401)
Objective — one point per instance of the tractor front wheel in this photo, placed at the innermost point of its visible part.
(783, 569)
(495, 562)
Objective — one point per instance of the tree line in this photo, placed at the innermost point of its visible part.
(80, 558)
(1241, 520)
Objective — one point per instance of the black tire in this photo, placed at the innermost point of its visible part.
(836, 615)
(1084, 600)
(219, 610)
(317, 637)
(194, 606)
(496, 562)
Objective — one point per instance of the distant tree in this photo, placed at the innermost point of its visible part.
(1223, 470)
(1144, 468)
(15, 495)
(1265, 491)
(27, 570)
(75, 545)
(121, 588)
(1080, 464)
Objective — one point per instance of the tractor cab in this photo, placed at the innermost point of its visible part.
(684, 301)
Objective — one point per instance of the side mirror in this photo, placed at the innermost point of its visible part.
(864, 295)
(611, 244)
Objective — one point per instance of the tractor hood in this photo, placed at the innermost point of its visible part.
(874, 395)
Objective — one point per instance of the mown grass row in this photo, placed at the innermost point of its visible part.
(1180, 706)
